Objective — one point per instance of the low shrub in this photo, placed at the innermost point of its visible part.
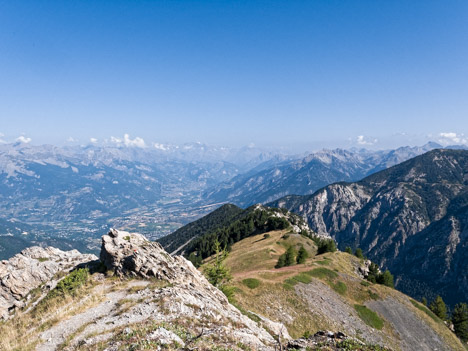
(251, 283)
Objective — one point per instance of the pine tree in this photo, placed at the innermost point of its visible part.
(438, 307)
(290, 258)
(301, 255)
(424, 301)
(349, 250)
(281, 261)
(460, 321)
(358, 253)
(216, 273)
(386, 278)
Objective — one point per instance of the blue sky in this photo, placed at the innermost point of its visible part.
(274, 73)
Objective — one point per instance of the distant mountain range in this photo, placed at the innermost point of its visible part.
(411, 218)
(306, 175)
(72, 194)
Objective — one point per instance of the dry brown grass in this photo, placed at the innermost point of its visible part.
(22, 332)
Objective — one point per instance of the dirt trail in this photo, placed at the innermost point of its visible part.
(58, 334)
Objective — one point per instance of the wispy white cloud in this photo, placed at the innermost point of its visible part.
(23, 139)
(364, 140)
(160, 146)
(127, 141)
(72, 140)
(451, 138)
(93, 140)
(1, 138)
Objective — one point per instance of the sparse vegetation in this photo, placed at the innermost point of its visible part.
(369, 317)
(251, 283)
(340, 288)
(70, 284)
(425, 310)
(322, 273)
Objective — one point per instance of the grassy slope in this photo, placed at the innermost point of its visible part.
(255, 258)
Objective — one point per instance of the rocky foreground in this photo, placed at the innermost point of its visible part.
(146, 300)
(32, 268)
(137, 297)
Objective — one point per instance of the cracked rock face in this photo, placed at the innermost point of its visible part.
(188, 294)
(30, 269)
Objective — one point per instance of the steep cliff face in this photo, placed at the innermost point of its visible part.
(400, 215)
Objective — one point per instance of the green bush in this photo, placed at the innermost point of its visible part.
(251, 283)
(369, 317)
(70, 284)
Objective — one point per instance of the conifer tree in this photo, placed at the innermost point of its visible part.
(281, 261)
(349, 250)
(217, 273)
(290, 257)
(302, 255)
(438, 307)
(358, 253)
(460, 321)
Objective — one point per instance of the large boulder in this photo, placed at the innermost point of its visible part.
(30, 269)
(127, 253)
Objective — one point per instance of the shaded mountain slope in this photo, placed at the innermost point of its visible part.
(384, 211)
(212, 221)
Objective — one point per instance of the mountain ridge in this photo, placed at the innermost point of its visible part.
(384, 210)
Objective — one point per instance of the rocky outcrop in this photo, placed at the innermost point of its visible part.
(30, 269)
(327, 340)
(185, 294)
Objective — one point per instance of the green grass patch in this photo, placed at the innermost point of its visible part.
(43, 259)
(322, 273)
(303, 278)
(369, 317)
(251, 283)
(323, 262)
(340, 288)
(291, 281)
(423, 308)
(365, 283)
(300, 278)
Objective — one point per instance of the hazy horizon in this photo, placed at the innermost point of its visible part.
(300, 75)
